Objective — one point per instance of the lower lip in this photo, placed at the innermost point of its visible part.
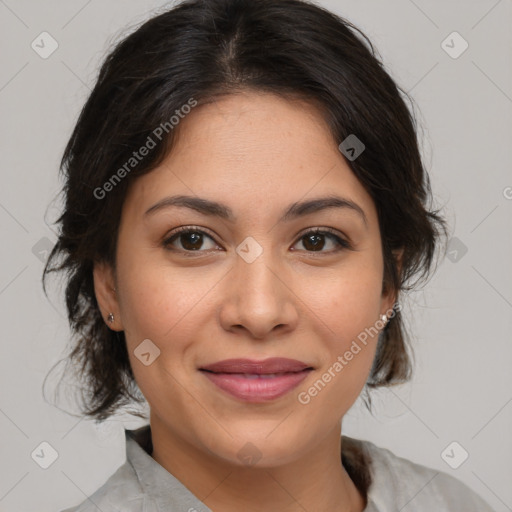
(256, 389)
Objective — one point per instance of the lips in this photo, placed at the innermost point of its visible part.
(257, 381)
(273, 365)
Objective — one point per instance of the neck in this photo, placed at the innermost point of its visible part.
(316, 481)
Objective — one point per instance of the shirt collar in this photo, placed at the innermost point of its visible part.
(161, 488)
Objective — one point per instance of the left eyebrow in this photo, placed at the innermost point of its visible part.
(322, 203)
(295, 210)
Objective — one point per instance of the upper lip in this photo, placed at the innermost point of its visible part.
(266, 366)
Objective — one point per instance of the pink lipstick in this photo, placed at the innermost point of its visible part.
(257, 381)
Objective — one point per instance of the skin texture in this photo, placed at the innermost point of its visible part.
(257, 153)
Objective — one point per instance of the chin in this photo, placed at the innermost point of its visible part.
(257, 448)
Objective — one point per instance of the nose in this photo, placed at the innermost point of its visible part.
(259, 299)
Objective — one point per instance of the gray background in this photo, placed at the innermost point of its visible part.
(461, 320)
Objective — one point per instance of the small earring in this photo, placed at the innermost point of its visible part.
(384, 318)
(110, 317)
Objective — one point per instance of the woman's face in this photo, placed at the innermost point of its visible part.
(252, 284)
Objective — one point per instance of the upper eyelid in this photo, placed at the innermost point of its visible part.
(185, 229)
(323, 230)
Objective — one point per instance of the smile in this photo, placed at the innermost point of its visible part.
(256, 381)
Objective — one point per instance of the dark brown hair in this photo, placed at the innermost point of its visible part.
(198, 50)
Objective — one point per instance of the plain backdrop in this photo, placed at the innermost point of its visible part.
(461, 321)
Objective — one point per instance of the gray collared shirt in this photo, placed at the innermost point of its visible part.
(143, 485)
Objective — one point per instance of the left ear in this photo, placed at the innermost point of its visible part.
(389, 297)
(104, 289)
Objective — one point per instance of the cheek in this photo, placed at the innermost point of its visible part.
(165, 308)
(160, 302)
(347, 299)
(348, 355)
(348, 308)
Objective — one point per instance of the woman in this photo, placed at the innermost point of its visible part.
(245, 201)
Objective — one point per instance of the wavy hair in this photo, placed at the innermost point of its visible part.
(202, 49)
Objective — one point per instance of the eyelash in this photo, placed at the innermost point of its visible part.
(342, 243)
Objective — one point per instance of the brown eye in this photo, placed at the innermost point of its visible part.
(189, 239)
(315, 241)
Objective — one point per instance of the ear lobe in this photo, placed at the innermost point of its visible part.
(104, 289)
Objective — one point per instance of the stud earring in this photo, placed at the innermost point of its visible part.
(384, 318)
(110, 317)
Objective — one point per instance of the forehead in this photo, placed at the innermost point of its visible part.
(251, 150)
